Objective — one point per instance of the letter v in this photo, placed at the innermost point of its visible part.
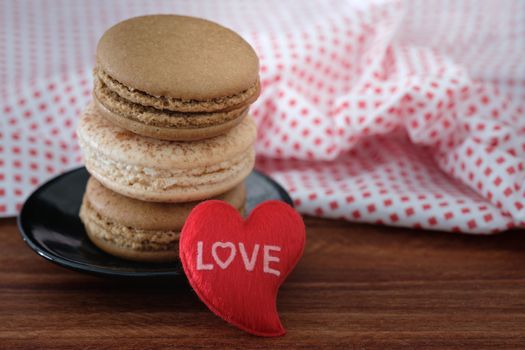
(249, 264)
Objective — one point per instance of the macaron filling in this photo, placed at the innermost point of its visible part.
(223, 103)
(122, 107)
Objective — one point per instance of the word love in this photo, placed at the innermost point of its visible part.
(249, 259)
(237, 265)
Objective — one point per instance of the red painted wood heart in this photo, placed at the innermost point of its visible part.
(237, 266)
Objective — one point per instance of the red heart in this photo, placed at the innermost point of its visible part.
(237, 266)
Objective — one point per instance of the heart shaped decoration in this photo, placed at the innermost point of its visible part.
(236, 266)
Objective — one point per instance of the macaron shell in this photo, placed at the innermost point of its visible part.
(109, 140)
(178, 56)
(127, 253)
(148, 215)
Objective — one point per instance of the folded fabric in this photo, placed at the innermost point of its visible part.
(404, 113)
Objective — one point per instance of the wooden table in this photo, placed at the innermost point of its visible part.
(357, 287)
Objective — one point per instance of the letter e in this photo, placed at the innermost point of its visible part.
(269, 258)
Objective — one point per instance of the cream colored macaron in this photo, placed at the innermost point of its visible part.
(174, 77)
(137, 230)
(165, 171)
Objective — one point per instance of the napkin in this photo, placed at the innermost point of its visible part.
(406, 113)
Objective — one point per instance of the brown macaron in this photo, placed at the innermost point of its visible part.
(174, 77)
(137, 230)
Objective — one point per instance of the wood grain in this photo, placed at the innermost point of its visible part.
(357, 287)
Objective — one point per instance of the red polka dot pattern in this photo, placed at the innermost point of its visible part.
(393, 113)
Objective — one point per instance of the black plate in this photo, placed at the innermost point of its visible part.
(50, 225)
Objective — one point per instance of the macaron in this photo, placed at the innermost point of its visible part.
(165, 171)
(174, 77)
(137, 230)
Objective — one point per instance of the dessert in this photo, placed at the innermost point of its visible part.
(165, 171)
(174, 77)
(138, 230)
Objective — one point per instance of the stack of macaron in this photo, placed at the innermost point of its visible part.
(168, 127)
